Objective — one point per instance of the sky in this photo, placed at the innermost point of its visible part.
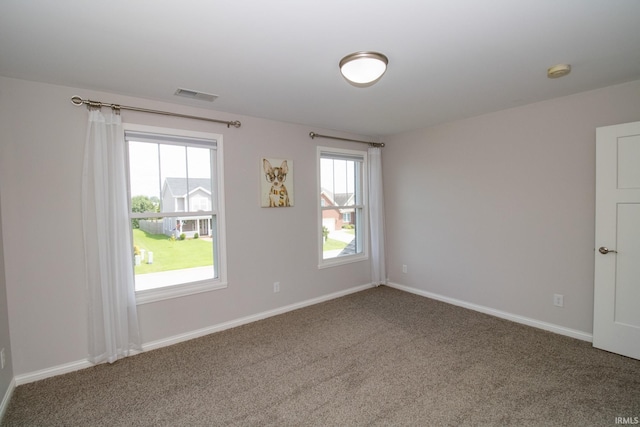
(150, 164)
(337, 175)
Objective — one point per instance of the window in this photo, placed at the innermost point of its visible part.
(175, 188)
(342, 205)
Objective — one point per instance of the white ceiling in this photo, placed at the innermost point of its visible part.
(278, 59)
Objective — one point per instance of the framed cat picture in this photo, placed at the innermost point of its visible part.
(277, 183)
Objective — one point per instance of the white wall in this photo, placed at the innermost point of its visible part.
(6, 374)
(42, 136)
(498, 210)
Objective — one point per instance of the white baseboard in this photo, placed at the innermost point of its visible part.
(7, 397)
(52, 372)
(82, 364)
(584, 336)
(249, 319)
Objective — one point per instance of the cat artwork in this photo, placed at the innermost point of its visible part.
(277, 195)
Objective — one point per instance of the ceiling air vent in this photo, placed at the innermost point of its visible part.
(196, 95)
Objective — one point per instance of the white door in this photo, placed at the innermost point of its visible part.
(616, 317)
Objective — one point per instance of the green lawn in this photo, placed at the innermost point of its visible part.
(172, 255)
(332, 244)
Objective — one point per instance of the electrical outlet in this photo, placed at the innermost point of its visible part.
(558, 300)
(276, 286)
(404, 268)
(2, 359)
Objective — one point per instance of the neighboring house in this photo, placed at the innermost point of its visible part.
(334, 219)
(178, 195)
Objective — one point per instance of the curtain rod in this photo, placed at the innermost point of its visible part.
(76, 100)
(373, 144)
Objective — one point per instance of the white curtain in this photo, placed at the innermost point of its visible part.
(376, 217)
(113, 320)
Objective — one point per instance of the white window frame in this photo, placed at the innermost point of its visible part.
(190, 288)
(364, 221)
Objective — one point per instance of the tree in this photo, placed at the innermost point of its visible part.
(142, 204)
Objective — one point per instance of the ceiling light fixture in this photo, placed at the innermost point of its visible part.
(363, 69)
(559, 70)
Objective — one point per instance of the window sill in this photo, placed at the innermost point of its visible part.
(168, 292)
(333, 262)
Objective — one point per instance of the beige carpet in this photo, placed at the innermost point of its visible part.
(378, 357)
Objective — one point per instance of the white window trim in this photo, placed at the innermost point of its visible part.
(348, 259)
(180, 290)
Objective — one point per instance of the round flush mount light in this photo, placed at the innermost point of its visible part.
(363, 69)
(559, 70)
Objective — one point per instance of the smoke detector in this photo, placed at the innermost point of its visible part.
(559, 70)
(194, 94)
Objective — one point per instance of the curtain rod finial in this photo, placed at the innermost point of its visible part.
(77, 101)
